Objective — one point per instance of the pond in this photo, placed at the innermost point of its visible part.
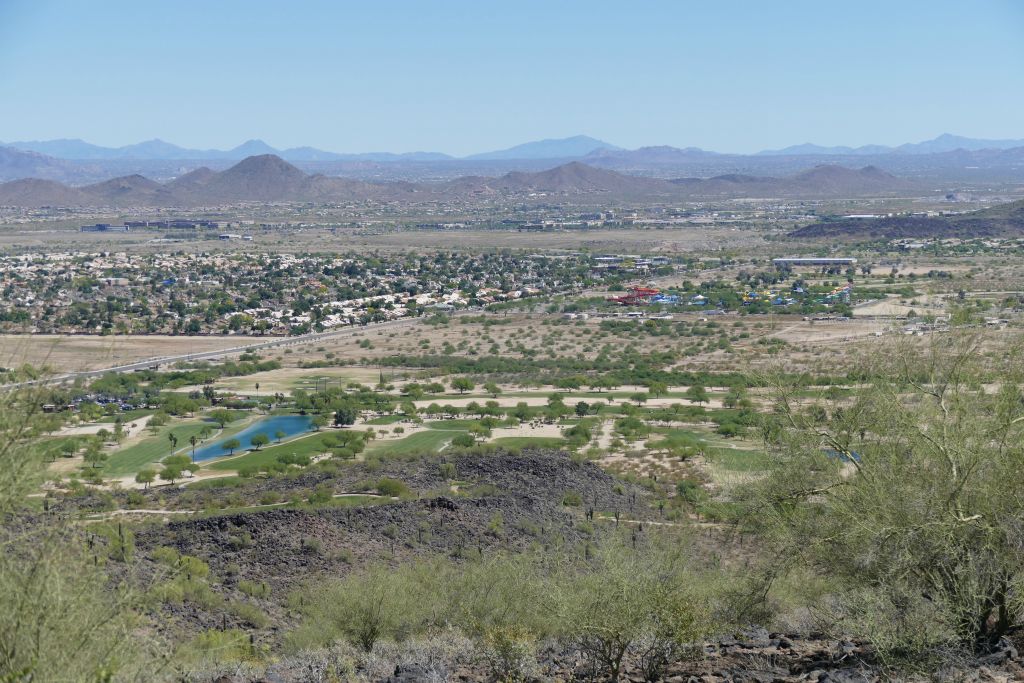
(290, 425)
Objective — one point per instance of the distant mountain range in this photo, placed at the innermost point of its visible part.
(158, 149)
(74, 149)
(943, 143)
(820, 181)
(575, 147)
(268, 178)
(15, 163)
(561, 148)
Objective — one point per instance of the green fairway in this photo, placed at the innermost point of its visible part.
(451, 425)
(529, 442)
(426, 442)
(52, 446)
(152, 449)
(386, 420)
(308, 444)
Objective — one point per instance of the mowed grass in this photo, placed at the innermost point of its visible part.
(152, 449)
(53, 446)
(459, 425)
(309, 444)
(385, 420)
(420, 443)
(529, 442)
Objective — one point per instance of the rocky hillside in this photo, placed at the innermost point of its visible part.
(268, 178)
(1000, 221)
(501, 502)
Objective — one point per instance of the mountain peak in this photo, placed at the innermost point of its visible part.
(253, 148)
(264, 161)
(576, 146)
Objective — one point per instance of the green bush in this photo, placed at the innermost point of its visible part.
(572, 499)
(392, 488)
(250, 614)
(218, 646)
(511, 653)
(463, 440)
(256, 589)
(610, 601)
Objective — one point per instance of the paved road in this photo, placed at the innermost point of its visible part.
(275, 343)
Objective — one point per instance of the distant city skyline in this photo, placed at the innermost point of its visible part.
(461, 77)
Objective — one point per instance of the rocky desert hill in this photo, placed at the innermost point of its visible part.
(268, 178)
(1006, 220)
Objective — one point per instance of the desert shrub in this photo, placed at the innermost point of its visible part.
(511, 653)
(364, 607)
(165, 555)
(643, 603)
(483, 490)
(256, 589)
(392, 488)
(249, 613)
(907, 496)
(463, 440)
(344, 555)
(615, 601)
(158, 419)
(192, 567)
(310, 546)
(690, 491)
(200, 593)
(321, 494)
(572, 499)
(447, 470)
(167, 592)
(729, 429)
(231, 645)
(240, 540)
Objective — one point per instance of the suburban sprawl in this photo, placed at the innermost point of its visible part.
(551, 424)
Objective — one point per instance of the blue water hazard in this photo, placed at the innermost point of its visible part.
(289, 424)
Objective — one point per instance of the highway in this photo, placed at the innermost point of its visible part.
(275, 343)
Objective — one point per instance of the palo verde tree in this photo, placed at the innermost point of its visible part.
(908, 495)
(463, 384)
(696, 393)
(61, 619)
(222, 416)
(145, 477)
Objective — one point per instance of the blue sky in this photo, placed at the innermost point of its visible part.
(462, 77)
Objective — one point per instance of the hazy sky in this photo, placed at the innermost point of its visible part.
(465, 76)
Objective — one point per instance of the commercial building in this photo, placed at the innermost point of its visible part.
(104, 227)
